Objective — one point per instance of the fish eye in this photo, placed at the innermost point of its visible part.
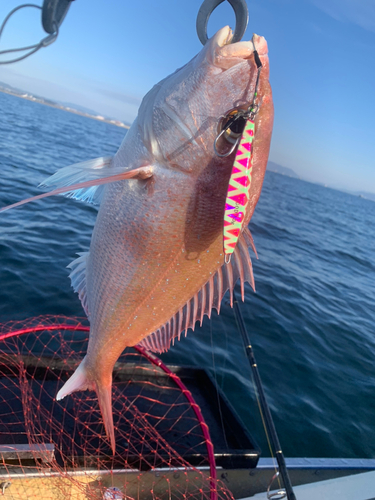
(235, 129)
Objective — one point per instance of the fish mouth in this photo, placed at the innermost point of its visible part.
(224, 54)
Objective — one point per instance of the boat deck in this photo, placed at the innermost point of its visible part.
(357, 487)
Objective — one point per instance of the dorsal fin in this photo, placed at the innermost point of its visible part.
(78, 278)
(207, 298)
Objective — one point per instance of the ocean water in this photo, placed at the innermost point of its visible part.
(311, 320)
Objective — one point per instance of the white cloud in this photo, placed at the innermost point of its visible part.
(119, 96)
(360, 12)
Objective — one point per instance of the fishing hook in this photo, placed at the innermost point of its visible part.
(248, 114)
(239, 114)
(208, 6)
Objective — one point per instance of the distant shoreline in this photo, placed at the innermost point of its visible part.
(40, 100)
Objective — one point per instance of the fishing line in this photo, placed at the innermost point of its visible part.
(265, 427)
(262, 417)
(53, 14)
(216, 385)
(33, 48)
(266, 415)
(264, 424)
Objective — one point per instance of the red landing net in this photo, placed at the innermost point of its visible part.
(57, 449)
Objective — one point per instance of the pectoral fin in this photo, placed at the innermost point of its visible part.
(78, 279)
(81, 181)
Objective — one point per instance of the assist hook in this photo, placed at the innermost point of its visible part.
(208, 6)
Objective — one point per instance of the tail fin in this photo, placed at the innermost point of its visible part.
(81, 381)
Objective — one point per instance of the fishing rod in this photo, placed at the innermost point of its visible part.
(242, 16)
(263, 402)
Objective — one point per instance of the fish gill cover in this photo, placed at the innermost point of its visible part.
(63, 444)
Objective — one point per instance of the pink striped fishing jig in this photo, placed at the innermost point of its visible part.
(238, 129)
(238, 193)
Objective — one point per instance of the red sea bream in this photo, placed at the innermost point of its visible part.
(156, 263)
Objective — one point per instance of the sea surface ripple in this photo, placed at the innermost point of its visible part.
(311, 320)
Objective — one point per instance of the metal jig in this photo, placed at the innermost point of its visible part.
(238, 193)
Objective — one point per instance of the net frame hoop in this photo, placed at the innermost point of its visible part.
(156, 362)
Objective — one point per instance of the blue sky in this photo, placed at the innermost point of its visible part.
(322, 60)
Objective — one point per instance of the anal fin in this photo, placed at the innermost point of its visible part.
(207, 298)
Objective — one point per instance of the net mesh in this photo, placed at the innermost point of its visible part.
(58, 449)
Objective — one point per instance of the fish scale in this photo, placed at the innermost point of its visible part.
(135, 276)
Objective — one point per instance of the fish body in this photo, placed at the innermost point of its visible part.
(156, 260)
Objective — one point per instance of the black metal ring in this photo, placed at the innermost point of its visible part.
(208, 6)
(53, 14)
